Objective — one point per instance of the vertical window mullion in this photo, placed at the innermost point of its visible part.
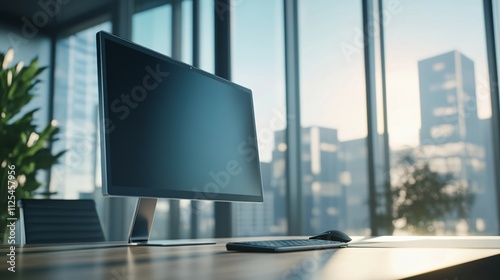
(378, 182)
(222, 21)
(293, 131)
(494, 92)
(385, 139)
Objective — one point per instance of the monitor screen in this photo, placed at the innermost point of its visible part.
(170, 130)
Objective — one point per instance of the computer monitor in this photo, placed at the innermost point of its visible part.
(170, 130)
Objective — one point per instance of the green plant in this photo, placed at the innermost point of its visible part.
(23, 150)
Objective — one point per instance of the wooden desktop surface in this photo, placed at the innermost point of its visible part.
(365, 258)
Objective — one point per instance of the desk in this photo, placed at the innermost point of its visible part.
(365, 258)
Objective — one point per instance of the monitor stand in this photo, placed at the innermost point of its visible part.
(142, 221)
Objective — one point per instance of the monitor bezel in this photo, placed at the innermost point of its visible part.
(123, 191)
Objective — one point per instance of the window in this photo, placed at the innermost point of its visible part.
(187, 31)
(439, 110)
(153, 28)
(258, 63)
(75, 109)
(206, 36)
(333, 117)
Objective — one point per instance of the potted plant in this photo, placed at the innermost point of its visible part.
(24, 150)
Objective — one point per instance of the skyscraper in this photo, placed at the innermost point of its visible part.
(354, 179)
(334, 195)
(323, 201)
(321, 179)
(450, 128)
(448, 99)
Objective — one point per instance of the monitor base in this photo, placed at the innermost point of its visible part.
(142, 221)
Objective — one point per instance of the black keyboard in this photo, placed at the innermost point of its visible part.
(275, 246)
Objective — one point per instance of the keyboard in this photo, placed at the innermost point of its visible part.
(290, 245)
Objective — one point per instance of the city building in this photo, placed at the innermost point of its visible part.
(451, 137)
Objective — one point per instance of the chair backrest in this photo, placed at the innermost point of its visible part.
(60, 221)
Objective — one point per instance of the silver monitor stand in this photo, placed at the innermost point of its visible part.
(142, 221)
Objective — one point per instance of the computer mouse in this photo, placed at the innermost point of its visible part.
(334, 235)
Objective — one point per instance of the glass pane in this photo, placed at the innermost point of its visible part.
(75, 109)
(333, 117)
(439, 118)
(207, 35)
(258, 63)
(153, 29)
(187, 31)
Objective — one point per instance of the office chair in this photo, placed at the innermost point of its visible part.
(60, 221)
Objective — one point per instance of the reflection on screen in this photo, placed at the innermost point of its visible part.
(171, 129)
